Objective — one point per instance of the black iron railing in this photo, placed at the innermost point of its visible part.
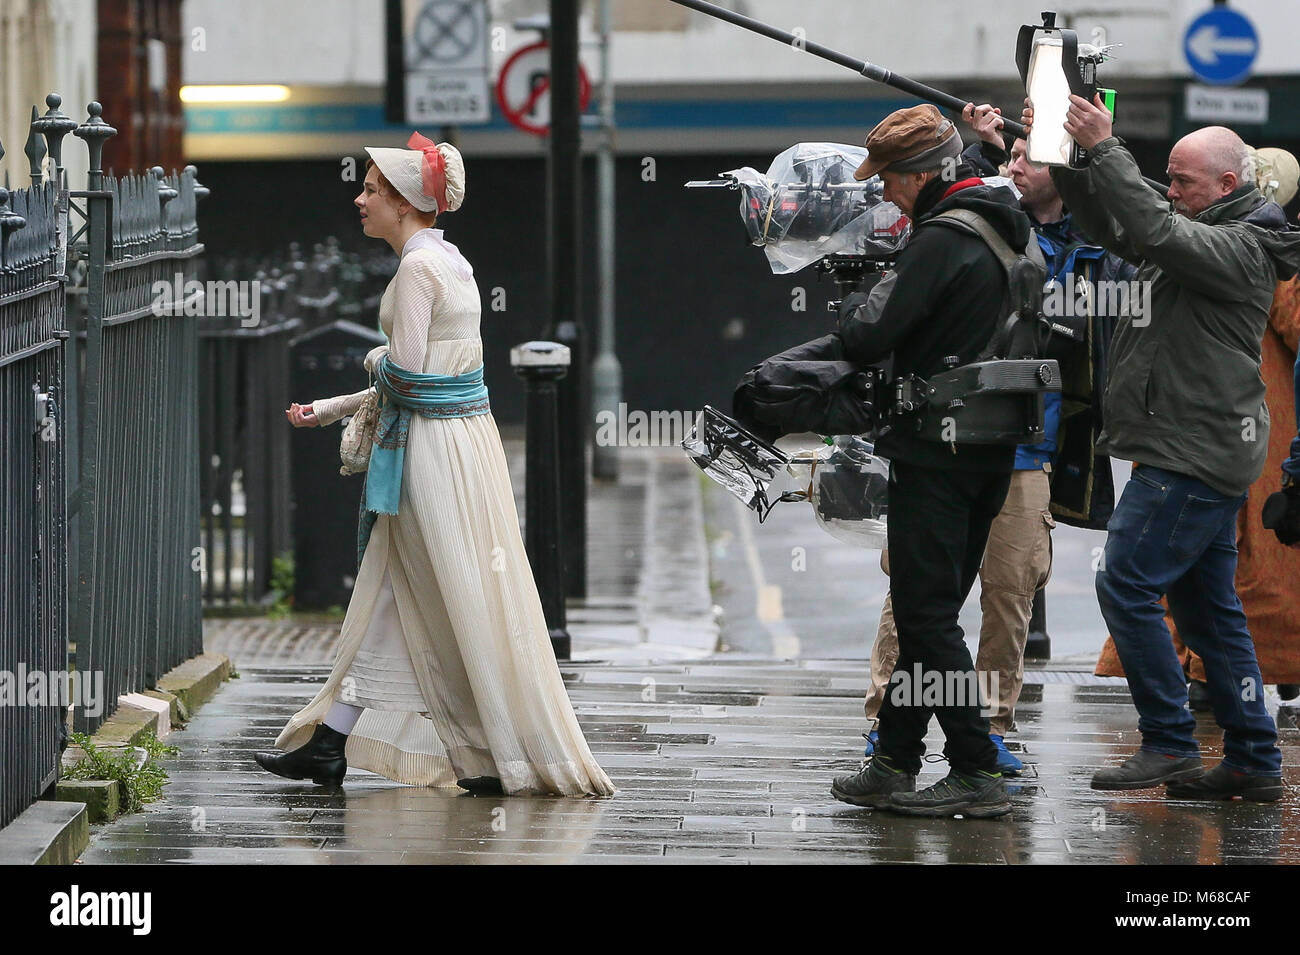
(139, 558)
(33, 545)
(246, 497)
(244, 484)
(100, 556)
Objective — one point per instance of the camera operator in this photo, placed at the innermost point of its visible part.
(1018, 558)
(1184, 402)
(941, 305)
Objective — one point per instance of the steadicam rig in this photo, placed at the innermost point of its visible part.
(843, 479)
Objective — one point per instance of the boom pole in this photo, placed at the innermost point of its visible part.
(869, 70)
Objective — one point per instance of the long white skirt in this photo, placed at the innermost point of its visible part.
(448, 579)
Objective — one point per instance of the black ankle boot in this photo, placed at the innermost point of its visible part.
(321, 760)
(482, 785)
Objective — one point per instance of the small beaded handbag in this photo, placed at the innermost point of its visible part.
(359, 435)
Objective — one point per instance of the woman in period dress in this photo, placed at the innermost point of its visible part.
(445, 673)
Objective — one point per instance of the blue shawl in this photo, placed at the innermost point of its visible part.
(402, 393)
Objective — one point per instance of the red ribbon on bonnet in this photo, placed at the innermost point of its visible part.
(433, 172)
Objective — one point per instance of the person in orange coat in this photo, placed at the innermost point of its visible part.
(1267, 572)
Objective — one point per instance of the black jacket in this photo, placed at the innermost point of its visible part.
(809, 387)
(945, 297)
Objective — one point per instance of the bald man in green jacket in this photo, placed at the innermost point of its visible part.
(1185, 403)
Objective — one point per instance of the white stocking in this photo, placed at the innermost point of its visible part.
(342, 717)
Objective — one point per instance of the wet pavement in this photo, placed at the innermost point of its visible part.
(790, 589)
(724, 761)
(722, 758)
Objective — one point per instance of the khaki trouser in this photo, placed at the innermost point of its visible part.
(1017, 563)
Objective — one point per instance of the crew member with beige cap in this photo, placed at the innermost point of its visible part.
(939, 306)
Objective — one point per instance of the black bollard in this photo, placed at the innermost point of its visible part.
(1039, 644)
(541, 365)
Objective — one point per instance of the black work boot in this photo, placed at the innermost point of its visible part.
(1146, 769)
(873, 784)
(320, 760)
(977, 795)
(1223, 783)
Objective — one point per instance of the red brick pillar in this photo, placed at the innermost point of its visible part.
(143, 102)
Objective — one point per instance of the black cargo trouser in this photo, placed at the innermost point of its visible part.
(938, 525)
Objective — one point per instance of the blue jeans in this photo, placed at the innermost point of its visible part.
(1173, 536)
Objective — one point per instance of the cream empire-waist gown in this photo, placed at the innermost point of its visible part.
(444, 643)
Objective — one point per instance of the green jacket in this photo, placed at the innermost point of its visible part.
(1184, 391)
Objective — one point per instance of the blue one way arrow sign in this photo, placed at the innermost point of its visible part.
(1221, 46)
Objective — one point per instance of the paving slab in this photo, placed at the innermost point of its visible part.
(743, 780)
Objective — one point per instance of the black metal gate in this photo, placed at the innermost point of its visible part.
(100, 557)
(33, 545)
(244, 449)
(138, 610)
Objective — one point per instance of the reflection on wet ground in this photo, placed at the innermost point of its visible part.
(720, 761)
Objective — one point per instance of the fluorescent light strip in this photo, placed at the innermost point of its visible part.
(234, 94)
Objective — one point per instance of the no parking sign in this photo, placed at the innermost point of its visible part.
(524, 89)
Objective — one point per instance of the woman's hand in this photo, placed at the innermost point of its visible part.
(986, 120)
(301, 416)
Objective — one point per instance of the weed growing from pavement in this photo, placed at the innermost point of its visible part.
(139, 783)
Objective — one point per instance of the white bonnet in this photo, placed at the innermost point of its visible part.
(403, 168)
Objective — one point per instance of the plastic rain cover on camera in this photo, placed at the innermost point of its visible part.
(850, 493)
(744, 464)
(808, 206)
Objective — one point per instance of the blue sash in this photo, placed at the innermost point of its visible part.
(402, 393)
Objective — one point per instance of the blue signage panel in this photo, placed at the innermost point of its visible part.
(1221, 46)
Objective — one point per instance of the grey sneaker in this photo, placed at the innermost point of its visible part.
(873, 784)
(1146, 769)
(976, 796)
